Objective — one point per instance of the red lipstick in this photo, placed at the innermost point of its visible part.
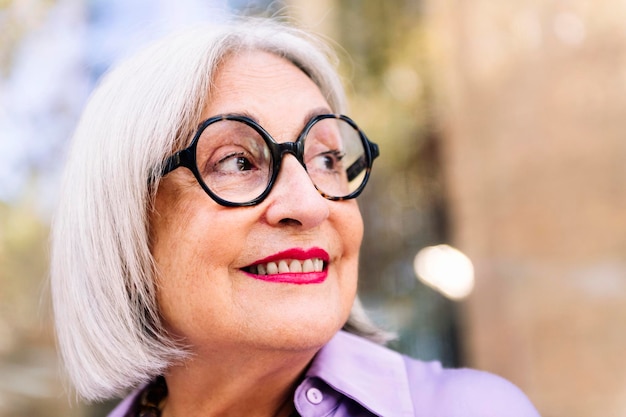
(292, 266)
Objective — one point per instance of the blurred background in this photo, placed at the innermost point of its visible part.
(496, 217)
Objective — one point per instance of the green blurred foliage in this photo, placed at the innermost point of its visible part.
(29, 377)
(23, 261)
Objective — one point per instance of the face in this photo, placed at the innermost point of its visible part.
(211, 287)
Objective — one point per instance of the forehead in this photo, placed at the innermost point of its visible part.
(262, 85)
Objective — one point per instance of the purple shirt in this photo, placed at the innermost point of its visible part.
(351, 376)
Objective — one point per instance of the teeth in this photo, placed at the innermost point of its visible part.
(286, 266)
(318, 265)
(272, 268)
(295, 266)
(307, 266)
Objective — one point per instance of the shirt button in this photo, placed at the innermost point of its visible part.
(314, 395)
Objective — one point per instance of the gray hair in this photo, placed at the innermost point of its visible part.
(108, 327)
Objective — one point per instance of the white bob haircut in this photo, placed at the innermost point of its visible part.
(109, 331)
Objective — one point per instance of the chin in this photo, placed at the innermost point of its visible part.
(306, 331)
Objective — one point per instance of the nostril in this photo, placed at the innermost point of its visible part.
(290, 222)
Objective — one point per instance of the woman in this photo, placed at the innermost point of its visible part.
(205, 250)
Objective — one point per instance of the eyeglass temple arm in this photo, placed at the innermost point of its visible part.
(171, 163)
(360, 164)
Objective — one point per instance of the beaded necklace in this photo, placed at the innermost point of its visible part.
(152, 398)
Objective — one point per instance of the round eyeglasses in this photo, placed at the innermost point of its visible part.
(237, 162)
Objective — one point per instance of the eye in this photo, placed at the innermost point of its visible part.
(327, 161)
(234, 162)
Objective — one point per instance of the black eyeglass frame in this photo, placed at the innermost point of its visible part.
(187, 157)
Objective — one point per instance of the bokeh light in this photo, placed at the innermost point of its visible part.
(446, 270)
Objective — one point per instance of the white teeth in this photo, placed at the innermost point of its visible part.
(286, 266)
(295, 266)
(283, 268)
(271, 268)
(318, 265)
(307, 266)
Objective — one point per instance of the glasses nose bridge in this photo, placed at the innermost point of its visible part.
(295, 148)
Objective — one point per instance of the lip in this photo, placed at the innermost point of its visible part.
(294, 278)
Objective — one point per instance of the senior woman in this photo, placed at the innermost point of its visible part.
(205, 250)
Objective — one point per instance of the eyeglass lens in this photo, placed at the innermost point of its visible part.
(236, 163)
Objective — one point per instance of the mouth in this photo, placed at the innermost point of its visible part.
(295, 266)
(287, 266)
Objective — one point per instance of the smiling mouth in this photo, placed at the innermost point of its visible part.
(294, 266)
(287, 266)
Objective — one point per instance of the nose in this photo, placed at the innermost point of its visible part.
(294, 200)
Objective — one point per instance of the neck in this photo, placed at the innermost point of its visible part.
(254, 385)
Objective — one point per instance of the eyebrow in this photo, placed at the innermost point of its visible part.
(311, 114)
(243, 113)
(316, 112)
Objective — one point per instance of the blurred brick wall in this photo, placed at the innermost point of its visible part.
(532, 107)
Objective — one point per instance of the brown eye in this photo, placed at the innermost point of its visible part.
(329, 161)
(232, 163)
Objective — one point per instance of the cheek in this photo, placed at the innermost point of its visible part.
(350, 228)
(189, 230)
(193, 262)
(187, 243)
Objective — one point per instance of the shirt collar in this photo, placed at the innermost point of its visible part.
(370, 374)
